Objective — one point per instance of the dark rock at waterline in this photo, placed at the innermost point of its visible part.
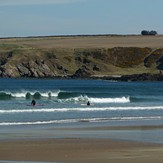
(142, 77)
(136, 77)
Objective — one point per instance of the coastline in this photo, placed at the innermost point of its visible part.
(81, 57)
(119, 78)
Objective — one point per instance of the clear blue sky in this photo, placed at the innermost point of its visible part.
(66, 17)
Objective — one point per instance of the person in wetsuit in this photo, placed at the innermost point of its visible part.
(33, 103)
(88, 103)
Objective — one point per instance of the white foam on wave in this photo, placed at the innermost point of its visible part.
(50, 94)
(97, 100)
(22, 94)
(81, 109)
(39, 122)
(55, 93)
(18, 94)
(92, 120)
(110, 100)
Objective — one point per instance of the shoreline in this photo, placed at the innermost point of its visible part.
(119, 78)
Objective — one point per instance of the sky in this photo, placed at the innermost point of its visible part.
(19, 18)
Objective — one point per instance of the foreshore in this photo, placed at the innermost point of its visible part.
(84, 149)
(81, 150)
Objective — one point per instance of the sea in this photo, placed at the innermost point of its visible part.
(63, 103)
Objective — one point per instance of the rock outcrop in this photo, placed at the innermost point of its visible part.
(82, 72)
(18, 62)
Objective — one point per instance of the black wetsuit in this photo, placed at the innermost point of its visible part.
(88, 103)
(33, 102)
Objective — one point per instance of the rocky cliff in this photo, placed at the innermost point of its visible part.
(25, 61)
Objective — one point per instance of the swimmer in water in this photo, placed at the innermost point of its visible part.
(33, 103)
(88, 103)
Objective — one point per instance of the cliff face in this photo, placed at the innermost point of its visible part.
(18, 61)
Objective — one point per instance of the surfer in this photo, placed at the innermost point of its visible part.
(33, 103)
(88, 103)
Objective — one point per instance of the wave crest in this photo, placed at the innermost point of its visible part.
(81, 109)
(28, 94)
(84, 99)
(110, 100)
(82, 120)
(60, 96)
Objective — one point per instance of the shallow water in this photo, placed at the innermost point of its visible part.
(62, 104)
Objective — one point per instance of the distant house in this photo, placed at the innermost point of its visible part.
(144, 32)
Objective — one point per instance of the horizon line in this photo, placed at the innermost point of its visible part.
(75, 35)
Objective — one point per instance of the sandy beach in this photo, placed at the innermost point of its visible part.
(82, 150)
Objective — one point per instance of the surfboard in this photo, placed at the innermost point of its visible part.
(87, 105)
(35, 105)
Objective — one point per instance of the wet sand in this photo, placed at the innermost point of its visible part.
(82, 150)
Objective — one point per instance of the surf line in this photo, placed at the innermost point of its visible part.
(82, 109)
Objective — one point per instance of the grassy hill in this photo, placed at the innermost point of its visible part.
(81, 56)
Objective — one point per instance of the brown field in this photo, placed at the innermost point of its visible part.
(63, 47)
(88, 41)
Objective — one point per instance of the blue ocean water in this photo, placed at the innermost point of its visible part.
(64, 102)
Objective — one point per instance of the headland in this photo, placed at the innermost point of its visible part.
(114, 57)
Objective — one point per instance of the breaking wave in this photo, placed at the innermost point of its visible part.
(84, 99)
(61, 96)
(81, 109)
(82, 120)
(28, 94)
